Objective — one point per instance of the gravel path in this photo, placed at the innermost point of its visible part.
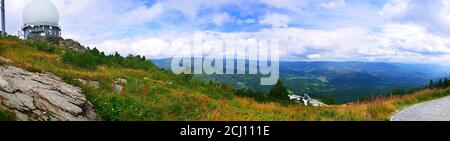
(436, 110)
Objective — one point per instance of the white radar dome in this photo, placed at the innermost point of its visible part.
(40, 12)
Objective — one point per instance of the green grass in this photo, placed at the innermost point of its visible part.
(153, 94)
(6, 116)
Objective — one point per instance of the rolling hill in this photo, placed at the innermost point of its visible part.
(149, 93)
(343, 81)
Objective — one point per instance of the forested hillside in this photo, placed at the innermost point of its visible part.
(149, 93)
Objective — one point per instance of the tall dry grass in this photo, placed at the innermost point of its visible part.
(158, 95)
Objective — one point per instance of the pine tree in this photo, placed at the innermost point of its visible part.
(95, 51)
(446, 83)
(279, 92)
(440, 83)
(431, 84)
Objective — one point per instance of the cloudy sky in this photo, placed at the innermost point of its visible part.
(416, 31)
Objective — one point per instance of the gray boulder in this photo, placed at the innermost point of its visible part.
(121, 81)
(41, 97)
(90, 84)
(117, 88)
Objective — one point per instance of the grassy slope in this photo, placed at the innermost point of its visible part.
(159, 95)
(6, 116)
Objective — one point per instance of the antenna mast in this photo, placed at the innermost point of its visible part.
(3, 17)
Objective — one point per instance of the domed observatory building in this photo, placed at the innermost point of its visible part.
(40, 18)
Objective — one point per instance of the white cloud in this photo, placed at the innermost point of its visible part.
(413, 38)
(444, 12)
(222, 18)
(431, 14)
(276, 20)
(142, 14)
(191, 7)
(395, 8)
(313, 56)
(395, 42)
(292, 5)
(91, 21)
(408, 30)
(333, 4)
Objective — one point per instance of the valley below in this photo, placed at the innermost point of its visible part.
(132, 88)
(337, 82)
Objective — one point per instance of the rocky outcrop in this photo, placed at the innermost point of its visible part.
(72, 44)
(40, 97)
(117, 88)
(121, 81)
(90, 84)
(5, 60)
(59, 41)
(117, 85)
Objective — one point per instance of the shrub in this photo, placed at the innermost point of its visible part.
(83, 60)
(279, 92)
(10, 37)
(380, 110)
(325, 99)
(43, 46)
(93, 57)
(186, 107)
(258, 96)
(431, 96)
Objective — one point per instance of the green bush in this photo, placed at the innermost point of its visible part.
(83, 60)
(258, 96)
(279, 92)
(93, 57)
(10, 37)
(325, 99)
(431, 96)
(43, 46)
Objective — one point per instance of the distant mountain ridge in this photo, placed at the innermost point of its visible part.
(343, 81)
(148, 93)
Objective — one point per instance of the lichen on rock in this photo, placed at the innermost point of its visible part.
(42, 96)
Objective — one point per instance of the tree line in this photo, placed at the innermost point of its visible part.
(280, 93)
(442, 83)
(91, 58)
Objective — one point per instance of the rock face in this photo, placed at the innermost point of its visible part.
(72, 44)
(117, 88)
(117, 85)
(90, 84)
(41, 97)
(6, 60)
(66, 43)
(121, 81)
